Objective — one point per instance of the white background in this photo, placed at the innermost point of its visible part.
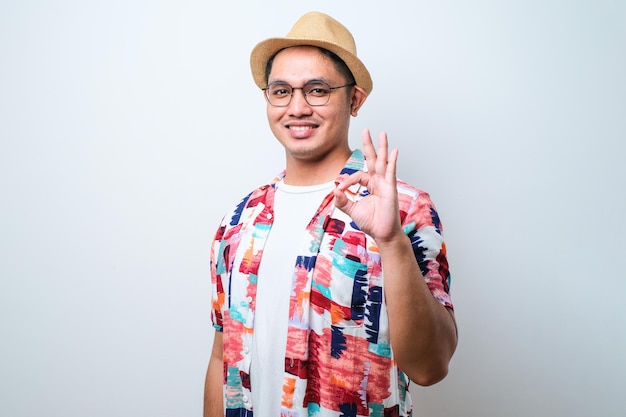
(128, 127)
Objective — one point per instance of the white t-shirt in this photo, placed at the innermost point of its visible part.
(294, 207)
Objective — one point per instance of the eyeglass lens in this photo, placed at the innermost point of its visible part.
(315, 93)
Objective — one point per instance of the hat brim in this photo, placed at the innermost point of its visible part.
(266, 49)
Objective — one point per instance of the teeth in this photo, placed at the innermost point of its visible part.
(300, 127)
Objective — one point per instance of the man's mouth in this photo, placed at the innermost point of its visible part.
(301, 128)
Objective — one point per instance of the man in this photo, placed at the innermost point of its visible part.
(330, 284)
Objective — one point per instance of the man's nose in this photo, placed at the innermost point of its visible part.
(298, 102)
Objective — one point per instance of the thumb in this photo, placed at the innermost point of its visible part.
(342, 202)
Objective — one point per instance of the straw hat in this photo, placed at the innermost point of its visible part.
(314, 29)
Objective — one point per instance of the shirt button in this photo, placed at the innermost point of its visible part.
(269, 215)
(245, 399)
(249, 299)
(246, 350)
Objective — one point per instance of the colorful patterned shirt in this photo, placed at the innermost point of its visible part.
(338, 360)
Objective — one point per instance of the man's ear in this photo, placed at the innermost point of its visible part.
(358, 98)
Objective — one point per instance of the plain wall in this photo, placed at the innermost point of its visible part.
(127, 128)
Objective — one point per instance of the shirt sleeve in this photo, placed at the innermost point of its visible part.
(423, 227)
(221, 261)
(217, 288)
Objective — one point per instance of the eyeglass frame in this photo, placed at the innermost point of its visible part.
(331, 89)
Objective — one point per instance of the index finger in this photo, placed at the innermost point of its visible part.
(369, 151)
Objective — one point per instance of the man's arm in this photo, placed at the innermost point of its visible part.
(422, 331)
(214, 383)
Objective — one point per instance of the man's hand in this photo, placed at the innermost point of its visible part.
(377, 214)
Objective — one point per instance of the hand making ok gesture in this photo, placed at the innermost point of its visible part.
(377, 214)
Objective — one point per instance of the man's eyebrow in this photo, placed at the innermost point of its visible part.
(279, 82)
(311, 81)
(320, 80)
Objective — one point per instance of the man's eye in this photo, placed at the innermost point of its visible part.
(318, 90)
(280, 92)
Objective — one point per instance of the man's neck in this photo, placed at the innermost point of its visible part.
(301, 172)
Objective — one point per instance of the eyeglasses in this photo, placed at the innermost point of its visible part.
(316, 93)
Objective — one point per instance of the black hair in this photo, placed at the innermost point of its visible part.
(340, 65)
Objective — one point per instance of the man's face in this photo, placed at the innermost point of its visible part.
(311, 133)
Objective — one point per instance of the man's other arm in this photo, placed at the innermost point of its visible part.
(214, 383)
